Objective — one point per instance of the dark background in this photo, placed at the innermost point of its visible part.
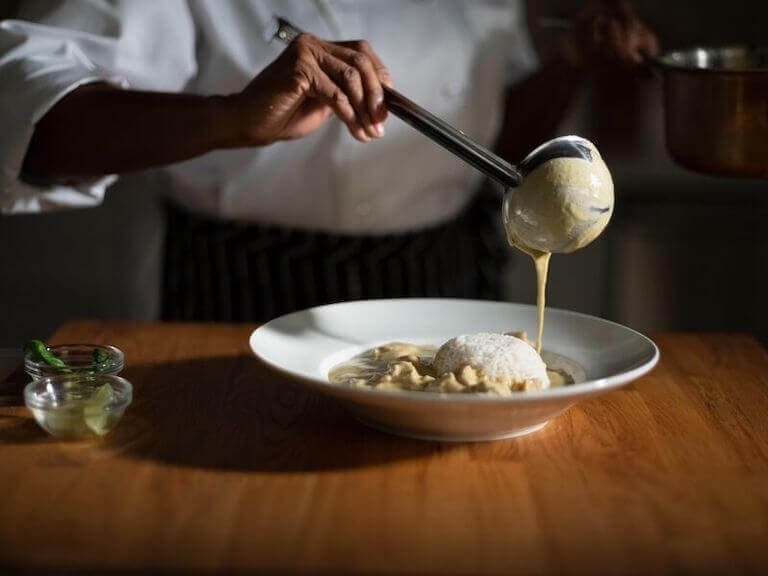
(684, 251)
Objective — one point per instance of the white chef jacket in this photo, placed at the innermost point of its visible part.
(454, 57)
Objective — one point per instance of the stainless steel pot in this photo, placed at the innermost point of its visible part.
(716, 109)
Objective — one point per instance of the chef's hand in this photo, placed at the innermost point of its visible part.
(608, 32)
(311, 80)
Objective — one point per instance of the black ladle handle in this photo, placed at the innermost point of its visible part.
(433, 127)
(451, 139)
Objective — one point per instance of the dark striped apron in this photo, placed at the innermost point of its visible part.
(230, 271)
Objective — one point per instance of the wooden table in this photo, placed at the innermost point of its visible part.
(220, 465)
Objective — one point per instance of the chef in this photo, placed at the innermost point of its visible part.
(287, 187)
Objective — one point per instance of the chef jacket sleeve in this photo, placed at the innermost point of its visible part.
(57, 46)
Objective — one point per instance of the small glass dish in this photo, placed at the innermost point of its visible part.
(78, 405)
(79, 358)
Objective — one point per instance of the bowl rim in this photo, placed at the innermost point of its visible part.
(116, 361)
(572, 391)
(122, 388)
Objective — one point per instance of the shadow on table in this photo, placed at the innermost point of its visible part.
(233, 413)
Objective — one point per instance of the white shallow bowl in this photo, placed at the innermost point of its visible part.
(307, 344)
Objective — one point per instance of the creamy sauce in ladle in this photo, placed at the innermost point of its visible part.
(563, 203)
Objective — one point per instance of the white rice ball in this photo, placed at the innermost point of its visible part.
(501, 357)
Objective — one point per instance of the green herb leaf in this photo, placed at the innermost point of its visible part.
(100, 356)
(39, 351)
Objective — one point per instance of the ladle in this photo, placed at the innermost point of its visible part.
(506, 174)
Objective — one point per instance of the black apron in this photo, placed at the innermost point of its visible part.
(231, 271)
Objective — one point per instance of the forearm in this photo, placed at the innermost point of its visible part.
(99, 129)
(535, 107)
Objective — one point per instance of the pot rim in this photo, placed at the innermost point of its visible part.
(663, 62)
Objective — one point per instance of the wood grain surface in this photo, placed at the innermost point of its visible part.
(221, 465)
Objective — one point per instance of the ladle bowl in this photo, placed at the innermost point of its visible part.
(564, 200)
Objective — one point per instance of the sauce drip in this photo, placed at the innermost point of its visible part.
(541, 263)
